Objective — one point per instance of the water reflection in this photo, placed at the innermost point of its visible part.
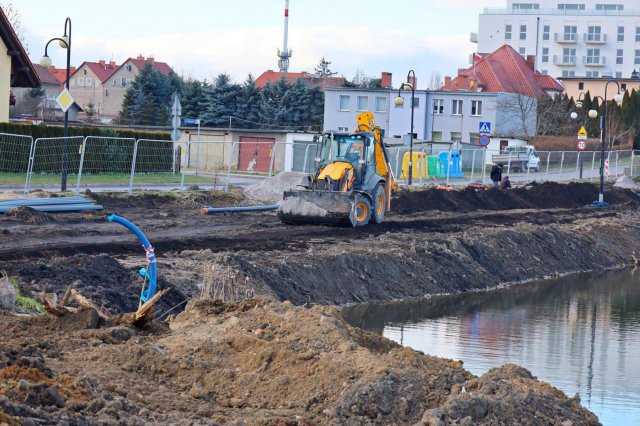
(580, 333)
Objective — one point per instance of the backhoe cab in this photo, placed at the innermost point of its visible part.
(352, 183)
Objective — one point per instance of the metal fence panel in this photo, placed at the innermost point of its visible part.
(15, 158)
(47, 162)
(105, 162)
(156, 163)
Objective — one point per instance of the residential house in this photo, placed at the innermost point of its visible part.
(16, 70)
(309, 80)
(595, 86)
(61, 73)
(45, 107)
(104, 84)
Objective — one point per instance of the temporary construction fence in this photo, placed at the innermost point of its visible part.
(126, 164)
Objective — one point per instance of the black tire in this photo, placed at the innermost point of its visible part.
(379, 204)
(361, 214)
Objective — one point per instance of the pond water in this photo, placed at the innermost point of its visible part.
(580, 333)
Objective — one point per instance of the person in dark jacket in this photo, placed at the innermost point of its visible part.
(505, 183)
(496, 174)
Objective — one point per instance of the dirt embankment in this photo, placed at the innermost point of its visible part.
(256, 363)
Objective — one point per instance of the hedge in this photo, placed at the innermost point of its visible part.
(44, 131)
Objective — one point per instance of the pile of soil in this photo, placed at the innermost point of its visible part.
(534, 196)
(28, 214)
(256, 362)
(270, 190)
(114, 201)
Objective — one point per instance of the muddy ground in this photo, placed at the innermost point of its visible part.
(266, 362)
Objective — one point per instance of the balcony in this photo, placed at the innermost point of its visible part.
(594, 61)
(567, 38)
(594, 38)
(564, 60)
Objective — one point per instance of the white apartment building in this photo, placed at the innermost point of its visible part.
(570, 38)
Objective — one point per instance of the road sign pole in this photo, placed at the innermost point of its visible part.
(198, 147)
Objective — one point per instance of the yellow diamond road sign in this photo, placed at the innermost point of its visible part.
(65, 100)
(582, 132)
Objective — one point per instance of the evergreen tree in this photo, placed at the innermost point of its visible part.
(223, 101)
(322, 69)
(248, 110)
(194, 98)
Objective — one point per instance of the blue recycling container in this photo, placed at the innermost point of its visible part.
(454, 169)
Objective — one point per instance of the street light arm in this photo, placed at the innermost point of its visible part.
(46, 47)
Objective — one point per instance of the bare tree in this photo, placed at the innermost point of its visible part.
(617, 131)
(13, 15)
(435, 81)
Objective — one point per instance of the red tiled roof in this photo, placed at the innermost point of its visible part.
(61, 73)
(139, 62)
(311, 80)
(45, 75)
(504, 70)
(22, 69)
(102, 70)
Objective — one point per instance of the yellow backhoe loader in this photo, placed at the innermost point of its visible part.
(352, 183)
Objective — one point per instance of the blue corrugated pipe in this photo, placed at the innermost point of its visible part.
(150, 272)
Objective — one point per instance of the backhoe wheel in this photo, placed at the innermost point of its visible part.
(379, 204)
(361, 211)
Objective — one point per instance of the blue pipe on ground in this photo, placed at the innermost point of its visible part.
(150, 272)
(208, 210)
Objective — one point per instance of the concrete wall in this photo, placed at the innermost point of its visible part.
(5, 82)
(492, 24)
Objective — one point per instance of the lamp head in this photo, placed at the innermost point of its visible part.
(45, 61)
(574, 115)
(399, 101)
(406, 86)
(64, 44)
(593, 113)
(578, 104)
(618, 98)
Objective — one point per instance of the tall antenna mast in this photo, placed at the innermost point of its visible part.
(285, 54)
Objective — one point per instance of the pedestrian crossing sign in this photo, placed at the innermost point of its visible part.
(582, 132)
(485, 128)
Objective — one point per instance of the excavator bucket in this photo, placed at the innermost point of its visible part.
(321, 207)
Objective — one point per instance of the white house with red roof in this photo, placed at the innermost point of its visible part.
(104, 84)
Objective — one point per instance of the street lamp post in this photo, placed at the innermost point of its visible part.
(45, 61)
(409, 84)
(603, 133)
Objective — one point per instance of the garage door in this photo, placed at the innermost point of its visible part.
(255, 154)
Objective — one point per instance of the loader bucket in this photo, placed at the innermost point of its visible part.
(321, 207)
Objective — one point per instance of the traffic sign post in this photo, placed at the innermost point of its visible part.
(484, 128)
(195, 121)
(484, 140)
(582, 145)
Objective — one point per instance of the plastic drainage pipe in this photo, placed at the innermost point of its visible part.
(211, 210)
(150, 272)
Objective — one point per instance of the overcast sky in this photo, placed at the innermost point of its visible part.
(203, 38)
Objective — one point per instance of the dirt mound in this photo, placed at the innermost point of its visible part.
(256, 362)
(28, 214)
(539, 196)
(165, 200)
(101, 279)
(271, 190)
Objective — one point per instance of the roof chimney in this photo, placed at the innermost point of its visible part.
(447, 82)
(531, 61)
(140, 57)
(413, 81)
(150, 59)
(101, 62)
(112, 63)
(385, 80)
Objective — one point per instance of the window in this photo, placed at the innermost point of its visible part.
(123, 81)
(609, 7)
(568, 55)
(620, 33)
(637, 34)
(593, 56)
(623, 87)
(456, 136)
(594, 33)
(581, 86)
(113, 82)
(363, 103)
(545, 54)
(456, 107)
(343, 102)
(476, 107)
(545, 32)
(593, 74)
(523, 32)
(544, 72)
(619, 56)
(507, 32)
(618, 74)
(522, 51)
(570, 6)
(381, 104)
(474, 138)
(416, 102)
(636, 60)
(570, 32)
(438, 106)
(128, 67)
(88, 81)
(436, 136)
(80, 81)
(84, 72)
(567, 73)
(343, 129)
(525, 6)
